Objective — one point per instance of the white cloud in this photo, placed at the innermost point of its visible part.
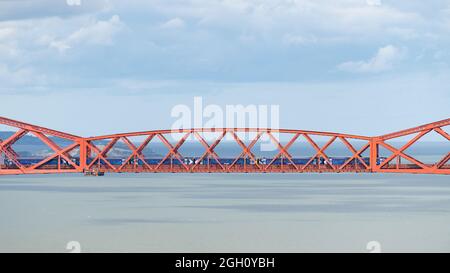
(28, 9)
(269, 18)
(383, 60)
(95, 33)
(291, 39)
(20, 77)
(373, 2)
(8, 51)
(216, 37)
(403, 32)
(6, 33)
(8, 46)
(174, 23)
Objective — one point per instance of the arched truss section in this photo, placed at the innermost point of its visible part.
(410, 151)
(59, 150)
(249, 157)
(255, 150)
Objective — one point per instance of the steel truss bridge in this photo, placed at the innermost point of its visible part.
(67, 153)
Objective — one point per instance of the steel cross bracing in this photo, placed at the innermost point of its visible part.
(67, 153)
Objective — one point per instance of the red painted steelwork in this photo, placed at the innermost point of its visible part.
(85, 154)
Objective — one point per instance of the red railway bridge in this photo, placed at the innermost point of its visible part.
(296, 151)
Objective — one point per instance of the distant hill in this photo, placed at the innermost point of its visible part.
(29, 145)
(32, 140)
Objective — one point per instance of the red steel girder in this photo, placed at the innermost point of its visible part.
(101, 153)
(320, 151)
(246, 150)
(173, 150)
(400, 152)
(209, 149)
(137, 152)
(30, 127)
(282, 150)
(356, 154)
(86, 145)
(417, 129)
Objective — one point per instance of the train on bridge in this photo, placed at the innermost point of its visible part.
(197, 164)
(193, 161)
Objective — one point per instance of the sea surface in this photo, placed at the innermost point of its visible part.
(225, 212)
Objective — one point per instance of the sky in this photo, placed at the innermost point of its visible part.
(95, 67)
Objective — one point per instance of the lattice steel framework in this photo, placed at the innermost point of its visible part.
(81, 154)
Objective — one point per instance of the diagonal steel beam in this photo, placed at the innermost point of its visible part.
(320, 151)
(282, 150)
(209, 149)
(59, 153)
(246, 150)
(99, 156)
(103, 153)
(397, 152)
(356, 154)
(55, 148)
(401, 154)
(442, 162)
(173, 150)
(137, 151)
(13, 157)
(6, 144)
(13, 138)
(442, 133)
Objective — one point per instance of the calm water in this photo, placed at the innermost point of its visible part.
(225, 212)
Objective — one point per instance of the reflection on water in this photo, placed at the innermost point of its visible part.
(225, 212)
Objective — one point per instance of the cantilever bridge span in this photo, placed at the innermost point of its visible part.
(295, 151)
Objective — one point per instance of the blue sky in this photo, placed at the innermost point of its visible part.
(357, 66)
